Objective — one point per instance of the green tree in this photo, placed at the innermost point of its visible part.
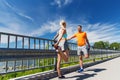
(115, 46)
(107, 44)
(99, 45)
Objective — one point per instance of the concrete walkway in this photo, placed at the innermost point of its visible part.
(109, 70)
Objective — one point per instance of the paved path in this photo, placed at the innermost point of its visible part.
(109, 70)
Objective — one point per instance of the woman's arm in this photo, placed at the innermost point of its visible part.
(62, 32)
(55, 36)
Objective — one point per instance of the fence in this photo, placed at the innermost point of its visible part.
(20, 53)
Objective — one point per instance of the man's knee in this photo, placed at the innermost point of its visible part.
(80, 57)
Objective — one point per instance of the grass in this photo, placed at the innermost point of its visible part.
(23, 73)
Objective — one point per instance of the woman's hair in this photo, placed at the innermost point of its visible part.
(62, 22)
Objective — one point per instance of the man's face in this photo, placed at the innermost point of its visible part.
(79, 29)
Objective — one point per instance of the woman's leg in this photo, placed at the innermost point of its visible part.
(64, 50)
(58, 64)
(66, 54)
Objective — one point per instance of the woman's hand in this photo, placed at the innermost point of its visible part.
(56, 45)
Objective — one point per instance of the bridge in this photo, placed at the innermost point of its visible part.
(108, 70)
(20, 53)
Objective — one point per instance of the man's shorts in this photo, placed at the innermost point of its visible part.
(82, 50)
(64, 45)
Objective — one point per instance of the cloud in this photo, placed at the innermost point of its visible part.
(61, 3)
(67, 2)
(48, 27)
(25, 16)
(17, 11)
(103, 32)
(11, 21)
(95, 32)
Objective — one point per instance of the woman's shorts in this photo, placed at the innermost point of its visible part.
(64, 45)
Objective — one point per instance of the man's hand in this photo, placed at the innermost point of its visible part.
(88, 47)
(69, 38)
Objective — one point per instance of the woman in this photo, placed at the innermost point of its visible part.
(63, 52)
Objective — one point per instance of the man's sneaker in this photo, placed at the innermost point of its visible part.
(80, 70)
(60, 77)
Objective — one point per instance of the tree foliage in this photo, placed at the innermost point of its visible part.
(115, 46)
(107, 45)
(99, 45)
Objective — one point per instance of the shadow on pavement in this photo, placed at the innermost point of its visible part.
(95, 70)
(85, 75)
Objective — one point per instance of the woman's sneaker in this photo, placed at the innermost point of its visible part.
(60, 77)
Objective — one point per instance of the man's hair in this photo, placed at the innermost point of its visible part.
(80, 26)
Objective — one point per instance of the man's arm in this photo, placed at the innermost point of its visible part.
(71, 37)
(88, 43)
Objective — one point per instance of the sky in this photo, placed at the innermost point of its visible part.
(40, 18)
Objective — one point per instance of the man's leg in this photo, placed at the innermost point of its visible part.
(81, 61)
(86, 52)
(83, 50)
(87, 55)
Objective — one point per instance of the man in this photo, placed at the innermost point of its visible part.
(82, 41)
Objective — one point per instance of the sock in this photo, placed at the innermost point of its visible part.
(81, 67)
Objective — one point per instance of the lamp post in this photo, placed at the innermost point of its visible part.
(93, 54)
(107, 51)
(114, 49)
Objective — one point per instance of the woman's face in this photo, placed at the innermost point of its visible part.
(64, 24)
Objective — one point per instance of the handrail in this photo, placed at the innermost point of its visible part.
(32, 52)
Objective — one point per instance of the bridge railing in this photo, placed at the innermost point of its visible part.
(21, 53)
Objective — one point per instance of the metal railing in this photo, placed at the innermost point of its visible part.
(20, 53)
